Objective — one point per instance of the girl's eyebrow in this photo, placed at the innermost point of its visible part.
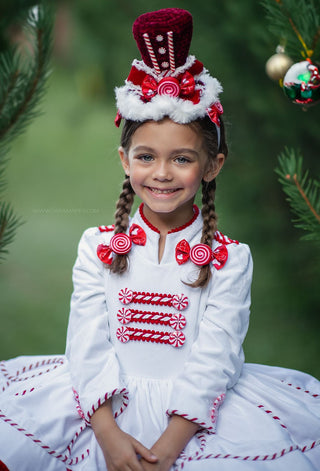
(143, 149)
(181, 150)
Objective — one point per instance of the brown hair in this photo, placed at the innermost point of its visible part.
(124, 204)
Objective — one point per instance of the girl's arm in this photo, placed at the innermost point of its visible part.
(171, 443)
(93, 364)
(119, 449)
(216, 358)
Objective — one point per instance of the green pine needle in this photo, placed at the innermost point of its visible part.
(23, 78)
(296, 25)
(303, 193)
(9, 224)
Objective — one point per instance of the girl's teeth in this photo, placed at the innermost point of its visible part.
(155, 190)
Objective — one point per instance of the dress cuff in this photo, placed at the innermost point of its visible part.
(119, 403)
(208, 423)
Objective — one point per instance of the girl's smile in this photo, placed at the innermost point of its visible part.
(166, 163)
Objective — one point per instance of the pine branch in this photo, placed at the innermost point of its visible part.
(303, 193)
(296, 24)
(25, 80)
(9, 224)
(22, 85)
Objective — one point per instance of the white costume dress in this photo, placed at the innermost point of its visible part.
(159, 347)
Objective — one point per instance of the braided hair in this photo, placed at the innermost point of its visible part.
(123, 208)
(208, 211)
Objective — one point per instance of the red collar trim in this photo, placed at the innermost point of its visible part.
(176, 229)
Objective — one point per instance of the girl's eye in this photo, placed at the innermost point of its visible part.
(145, 158)
(182, 160)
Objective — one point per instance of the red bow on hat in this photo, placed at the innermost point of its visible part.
(214, 112)
(201, 254)
(171, 86)
(121, 243)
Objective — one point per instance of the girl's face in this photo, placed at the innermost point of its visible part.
(166, 162)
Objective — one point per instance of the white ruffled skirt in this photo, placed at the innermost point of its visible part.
(270, 420)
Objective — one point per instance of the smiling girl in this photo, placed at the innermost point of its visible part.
(154, 378)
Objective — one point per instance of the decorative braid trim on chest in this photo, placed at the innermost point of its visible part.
(175, 338)
(178, 301)
(176, 321)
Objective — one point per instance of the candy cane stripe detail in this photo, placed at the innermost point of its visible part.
(176, 321)
(267, 411)
(171, 51)
(125, 399)
(270, 457)
(178, 301)
(175, 338)
(219, 237)
(64, 458)
(151, 53)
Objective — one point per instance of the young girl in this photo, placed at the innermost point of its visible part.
(154, 377)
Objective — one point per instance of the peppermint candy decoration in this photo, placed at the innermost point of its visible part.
(178, 322)
(169, 86)
(124, 316)
(120, 243)
(180, 302)
(177, 338)
(201, 254)
(123, 334)
(125, 296)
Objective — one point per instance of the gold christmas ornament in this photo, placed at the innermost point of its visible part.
(278, 64)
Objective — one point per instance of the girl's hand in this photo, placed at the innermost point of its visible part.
(119, 449)
(170, 444)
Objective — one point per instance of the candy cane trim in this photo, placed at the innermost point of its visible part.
(171, 51)
(219, 237)
(153, 336)
(196, 420)
(60, 456)
(151, 53)
(125, 400)
(298, 388)
(155, 299)
(269, 457)
(268, 411)
(54, 362)
(151, 317)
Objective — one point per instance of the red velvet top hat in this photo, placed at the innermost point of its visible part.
(164, 37)
(167, 81)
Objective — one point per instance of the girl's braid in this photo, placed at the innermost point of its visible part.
(123, 209)
(209, 228)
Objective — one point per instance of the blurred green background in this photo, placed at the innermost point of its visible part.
(64, 175)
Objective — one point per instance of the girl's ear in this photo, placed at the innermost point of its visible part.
(213, 168)
(124, 160)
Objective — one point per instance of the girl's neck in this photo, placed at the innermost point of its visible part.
(168, 222)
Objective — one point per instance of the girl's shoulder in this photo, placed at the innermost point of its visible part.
(230, 253)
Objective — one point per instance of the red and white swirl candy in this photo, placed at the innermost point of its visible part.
(177, 338)
(120, 243)
(201, 254)
(124, 315)
(125, 296)
(180, 302)
(178, 321)
(169, 86)
(123, 334)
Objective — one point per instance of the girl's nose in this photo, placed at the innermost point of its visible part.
(162, 172)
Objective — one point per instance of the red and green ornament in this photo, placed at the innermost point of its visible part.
(301, 83)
